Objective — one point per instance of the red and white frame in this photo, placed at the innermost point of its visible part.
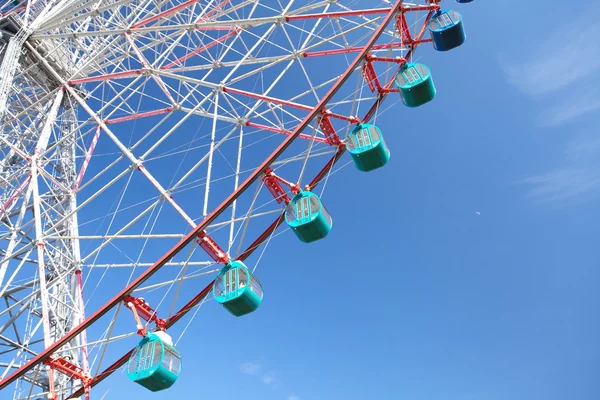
(180, 125)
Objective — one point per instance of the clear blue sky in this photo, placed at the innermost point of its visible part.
(417, 296)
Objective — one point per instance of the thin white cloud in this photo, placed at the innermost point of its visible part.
(262, 374)
(583, 150)
(565, 185)
(571, 109)
(250, 368)
(293, 397)
(569, 54)
(576, 181)
(269, 379)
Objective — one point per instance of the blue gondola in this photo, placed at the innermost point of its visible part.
(154, 363)
(464, 1)
(415, 84)
(447, 30)
(237, 289)
(307, 217)
(367, 147)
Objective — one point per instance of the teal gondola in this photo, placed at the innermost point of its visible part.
(307, 217)
(415, 84)
(237, 290)
(447, 30)
(367, 147)
(154, 363)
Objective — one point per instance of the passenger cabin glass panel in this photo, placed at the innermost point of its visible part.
(157, 350)
(145, 356)
(359, 137)
(365, 137)
(455, 16)
(218, 285)
(326, 215)
(305, 207)
(134, 361)
(290, 213)
(411, 75)
(171, 360)
(423, 70)
(315, 204)
(351, 142)
(400, 80)
(242, 277)
(302, 208)
(374, 132)
(230, 280)
(256, 287)
(444, 20)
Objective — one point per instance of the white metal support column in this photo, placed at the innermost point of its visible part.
(44, 296)
(9, 66)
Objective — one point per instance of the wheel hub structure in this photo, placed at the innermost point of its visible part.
(146, 143)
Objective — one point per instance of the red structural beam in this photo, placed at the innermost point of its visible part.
(12, 198)
(200, 296)
(264, 236)
(145, 312)
(121, 361)
(339, 14)
(201, 49)
(56, 346)
(287, 103)
(139, 115)
(116, 75)
(13, 11)
(432, 7)
(273, 185)
(388, 87)
(69, 369)
(177, 8)
(164, 13)
(322, 53)
(210, 246)
(267, 233)
(86, 160)
(284, 132)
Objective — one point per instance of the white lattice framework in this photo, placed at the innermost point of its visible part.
(124, 123)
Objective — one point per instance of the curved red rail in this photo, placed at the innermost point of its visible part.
(315, 112)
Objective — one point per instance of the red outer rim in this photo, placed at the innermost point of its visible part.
(212, 216)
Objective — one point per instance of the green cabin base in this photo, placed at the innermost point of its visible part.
(372, 159)
(313, 231)
(157, 380)
(418, 95)
(246, 303)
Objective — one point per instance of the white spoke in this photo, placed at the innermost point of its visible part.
(126, 123)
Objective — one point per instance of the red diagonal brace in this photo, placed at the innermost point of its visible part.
(371, 76)
(142, 310)
(72, 371)
(404, 30)
(273, 184)
(327, 127)
(212, 248)
(69, 369)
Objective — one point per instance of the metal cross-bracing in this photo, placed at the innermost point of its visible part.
(136, 130)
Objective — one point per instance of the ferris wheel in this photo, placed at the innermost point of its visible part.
(151, 147)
